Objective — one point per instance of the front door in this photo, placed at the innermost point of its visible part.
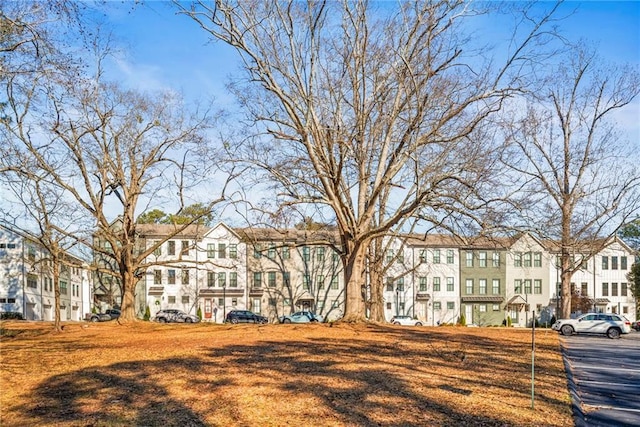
(468, 313)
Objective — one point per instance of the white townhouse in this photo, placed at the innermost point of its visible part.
(528, 285)
(198, 269)
(602, 278)
(435, 278)
(26, 279)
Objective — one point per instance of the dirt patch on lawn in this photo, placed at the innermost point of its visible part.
(146, 374)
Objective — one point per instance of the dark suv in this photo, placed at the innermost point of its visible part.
(244, 316)
(110, 314)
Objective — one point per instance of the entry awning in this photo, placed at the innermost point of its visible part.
(156, 290)
(600, 301)
(517, 301)
(482, 298)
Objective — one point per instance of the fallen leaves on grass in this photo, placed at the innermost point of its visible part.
(278, 375)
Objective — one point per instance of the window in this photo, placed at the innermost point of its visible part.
(437, 305)
(436, 256)
(286, 278)
(537, 286)
(157, 277)
(233, 279)
(605, 289)
(171, 277)
(614, 262)
(450, 257)
(157, 251)
(222, 250)
(211, 279)
(257, 251)
(389, 255)
(517, 286)
(423, 255)
(32, 281)
(623, 289)
(401, 256)
(527, 286)
(482, 286)
(469, 286)
(320, 281)
(271, 279)
(449, 284)
(469, 259)
(422, 283)
(31, 253)
(222, 279)
(400, 284)
(537, 259)
(272, 302)
(388, 306)
(185, 299)
(496, 307)
(257, 279)
(234, 301)
(584, 289)
(211, 250)
(436, 284)
(171, 247)
(527, 259)
(286, 252)
(614, 288)
(605, 263)
(451, 305)
(220, 302)
(389, 283)
(185, 276)
(171, 299)
(306, 253)
(306, 282)
(63, 287)
(482, 308)
(623, 263)
(320, 254)
(334, 282)
(495, 287)
(233, 250)
(271, 252)
(517, 259)
(185, 248)
(482, 259)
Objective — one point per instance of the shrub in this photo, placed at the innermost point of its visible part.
(462, 321)
(11, 315)
(509, 322)
(147, 314)
(199, 313)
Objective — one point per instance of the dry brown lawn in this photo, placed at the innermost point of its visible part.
(147, 374)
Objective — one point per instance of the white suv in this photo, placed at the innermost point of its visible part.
(594, 323)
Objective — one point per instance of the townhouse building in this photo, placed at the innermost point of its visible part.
(483, 276)
(435, 278)
(269, 271)
(26, 279)
(601, 277)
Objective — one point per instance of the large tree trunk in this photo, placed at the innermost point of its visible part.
(354, 280)
(128, 308)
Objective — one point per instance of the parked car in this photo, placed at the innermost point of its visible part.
(244, 316)
(636, 325)
(175, 316)
(613, 325)
(405, 320)
(110, 314)
(301, 317)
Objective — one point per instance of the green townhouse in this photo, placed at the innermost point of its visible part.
(483, 280)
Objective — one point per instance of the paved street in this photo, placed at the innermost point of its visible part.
(604, 379)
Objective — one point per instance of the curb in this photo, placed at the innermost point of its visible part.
(576, 402)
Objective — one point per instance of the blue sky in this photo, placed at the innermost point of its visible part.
(168, 50)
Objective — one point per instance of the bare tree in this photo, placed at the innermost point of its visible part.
(111, 152)
(350, 104)
(579, 176)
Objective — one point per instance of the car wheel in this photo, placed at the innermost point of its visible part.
(566, 330)
(188, 320)
(314, 320)
(94, 319)
(162, 320)
(613, 333)
(418, 323)
(396, 323)
(286, 321)
(234, 320)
